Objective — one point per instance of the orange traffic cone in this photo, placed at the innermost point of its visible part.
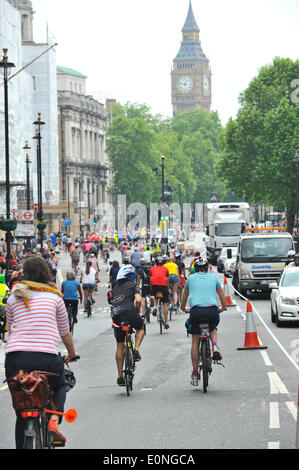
(228, 299)
(251, 338)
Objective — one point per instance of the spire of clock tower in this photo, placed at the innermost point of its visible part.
(190, 23)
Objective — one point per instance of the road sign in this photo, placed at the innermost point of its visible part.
(26, 216)
(35, 207)
(67, 223)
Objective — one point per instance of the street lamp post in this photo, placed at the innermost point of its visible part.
(27, 148)
(6, 67)
(39, 123)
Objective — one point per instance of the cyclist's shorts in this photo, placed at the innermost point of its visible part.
(130, 316)
(197, 314)
(174, 279)
(145, 291)
(163, 290)
(87, 286)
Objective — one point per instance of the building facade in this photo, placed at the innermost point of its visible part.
(191, 74)
(32, 91)
(85, 174)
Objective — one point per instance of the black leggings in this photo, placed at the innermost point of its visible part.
(27, 360)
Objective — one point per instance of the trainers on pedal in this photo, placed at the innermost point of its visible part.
(154, 312)
(194, 379)
(166, 326)
(58, 438)
(216, 353)
(121, 381)
(137, 355)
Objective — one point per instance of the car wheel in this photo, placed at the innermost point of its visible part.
(273, 316)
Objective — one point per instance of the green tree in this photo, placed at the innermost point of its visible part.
(258, 147)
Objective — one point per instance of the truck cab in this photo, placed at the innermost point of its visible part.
(261, 258)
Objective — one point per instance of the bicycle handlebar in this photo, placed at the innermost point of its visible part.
(74, 359)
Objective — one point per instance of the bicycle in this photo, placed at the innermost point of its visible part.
(205, 354)
(160, 311)
(129, 361)
(89, 302)
(172, 306)
(69, 309)
(36, 420)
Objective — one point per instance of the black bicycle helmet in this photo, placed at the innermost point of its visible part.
(159, 260)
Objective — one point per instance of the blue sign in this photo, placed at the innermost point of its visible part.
(67, 223)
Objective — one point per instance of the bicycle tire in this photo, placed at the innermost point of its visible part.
(71, 320)
(160, 316)
(128, 370)
(34, 442)
(205, 366)
(89, 306)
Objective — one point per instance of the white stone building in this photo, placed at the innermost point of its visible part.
(32, 91)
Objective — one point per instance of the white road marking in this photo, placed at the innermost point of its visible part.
(274, 415)
(276, 385)
(266, 358)
(292, 408)
(273, 445)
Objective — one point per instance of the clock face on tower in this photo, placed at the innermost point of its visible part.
(206, 84)
(185, 84)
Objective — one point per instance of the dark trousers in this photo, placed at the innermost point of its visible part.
(26, 360)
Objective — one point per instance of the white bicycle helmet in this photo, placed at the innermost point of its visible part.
(127, 271)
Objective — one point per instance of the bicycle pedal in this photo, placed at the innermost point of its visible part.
(219, 363)
(58, 443)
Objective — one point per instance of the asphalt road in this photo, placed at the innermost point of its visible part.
(250, 404)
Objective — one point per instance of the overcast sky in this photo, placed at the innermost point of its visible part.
(126, 48)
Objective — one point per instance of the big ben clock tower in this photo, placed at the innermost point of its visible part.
(191, 74)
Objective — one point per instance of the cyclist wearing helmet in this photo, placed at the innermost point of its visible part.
(295, 263)
(159, 276)
(201, 288)
(126, 303)
(143, 280)
(174, 279)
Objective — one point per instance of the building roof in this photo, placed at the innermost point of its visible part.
(70, 71)
(190, 23)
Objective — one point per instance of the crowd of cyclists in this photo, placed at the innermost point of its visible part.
(145, 269)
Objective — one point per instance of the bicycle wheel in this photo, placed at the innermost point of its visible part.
(71, 320)
(160, 316)
(128, 369)
(32, 438)
(89, 305)
(205, 365)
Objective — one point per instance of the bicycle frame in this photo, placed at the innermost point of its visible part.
(204, 354)
(129, 361)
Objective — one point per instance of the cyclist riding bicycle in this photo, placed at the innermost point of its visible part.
(202, 288)
(143, 280)
(71, 290)
(174, 280)
(88, 280)
(126, 303)
(36, 319)
(159, 276)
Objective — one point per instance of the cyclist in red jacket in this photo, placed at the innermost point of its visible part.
(159, 276)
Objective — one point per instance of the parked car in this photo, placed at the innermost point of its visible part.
(285, 297)
(224, 264)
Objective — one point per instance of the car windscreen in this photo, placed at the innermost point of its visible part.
(224, 252)
(265, 249)
(290, 279)
(228, 230)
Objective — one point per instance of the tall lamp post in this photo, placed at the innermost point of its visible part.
(39, 123)
(27, 148)
(6, 67)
